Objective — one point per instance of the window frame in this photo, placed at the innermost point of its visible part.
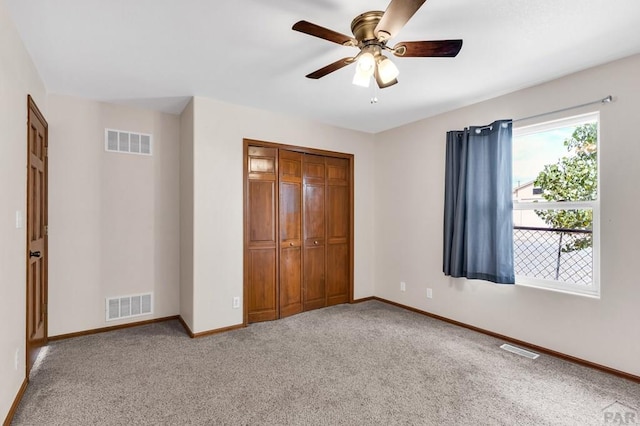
(592, 290)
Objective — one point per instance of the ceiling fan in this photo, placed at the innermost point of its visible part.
(372, 30)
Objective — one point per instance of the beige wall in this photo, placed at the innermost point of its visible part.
(18, 77)
(113, 218)
(217, 259)
(186, 215)
(409, 214)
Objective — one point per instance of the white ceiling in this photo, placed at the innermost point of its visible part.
(158, 53)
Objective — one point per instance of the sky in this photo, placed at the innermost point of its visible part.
(532, 152)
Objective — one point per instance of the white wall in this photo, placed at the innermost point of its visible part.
(113, 218)
(409, 195)
(18, 77)
(219, 131)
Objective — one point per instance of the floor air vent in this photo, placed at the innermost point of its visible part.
(520, 351)
(129, 306)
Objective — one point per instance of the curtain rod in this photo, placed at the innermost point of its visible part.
(599, 101)
(606, 100)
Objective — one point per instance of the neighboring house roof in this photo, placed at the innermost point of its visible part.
(527, 192)
(524, 185)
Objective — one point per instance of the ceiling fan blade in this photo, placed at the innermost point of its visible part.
(330, 68)
(396, 16)
(380, 83)
(435, 48)
(324, 33)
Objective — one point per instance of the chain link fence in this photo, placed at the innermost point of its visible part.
(538, 253)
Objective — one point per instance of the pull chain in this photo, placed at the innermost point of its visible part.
(374, 98)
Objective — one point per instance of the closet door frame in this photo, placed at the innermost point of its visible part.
(303, 150)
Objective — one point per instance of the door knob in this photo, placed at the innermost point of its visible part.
(315, 242)
(291, 244)
(34, 253)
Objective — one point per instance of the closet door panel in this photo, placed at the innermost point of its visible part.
(290, 166)
(290, 281)
(262, 291)
(261, 235)
(338, 231)
(314, 278)
(262, 226)
(314, 220)
(314, 229)
(261, 163)
(337, 213)
(290, 212)
(337, 274)
(314, 247)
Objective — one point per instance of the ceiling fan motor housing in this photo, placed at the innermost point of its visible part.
(363, 26)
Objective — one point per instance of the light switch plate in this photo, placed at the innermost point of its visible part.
(19, 219)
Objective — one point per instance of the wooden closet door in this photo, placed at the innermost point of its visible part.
(338, 230)
(314, 289)
(262, 196)
(298, 230)
(290, 167)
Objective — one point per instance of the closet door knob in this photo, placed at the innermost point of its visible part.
(291, 244)
(315, 242)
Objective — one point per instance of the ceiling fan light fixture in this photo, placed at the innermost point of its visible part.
(361, 79)
(365, 67)
(387, 70)
(366, 63)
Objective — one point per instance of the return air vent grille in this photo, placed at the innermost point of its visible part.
(129, 306)
(127, 142)
(519, 351)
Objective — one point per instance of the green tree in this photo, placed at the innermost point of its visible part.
(572, 178)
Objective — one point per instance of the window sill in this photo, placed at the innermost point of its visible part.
(553, 286)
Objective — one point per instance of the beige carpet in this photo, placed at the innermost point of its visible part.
(365, 364)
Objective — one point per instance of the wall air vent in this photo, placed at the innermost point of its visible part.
(519, 351)
(127, 142)
(129, 306)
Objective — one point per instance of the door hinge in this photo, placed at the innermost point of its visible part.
(46, 230)
(44, 308)
(46, 151)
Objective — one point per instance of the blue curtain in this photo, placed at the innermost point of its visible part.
(478, 218)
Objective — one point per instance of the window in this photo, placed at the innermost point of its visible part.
(556, 205)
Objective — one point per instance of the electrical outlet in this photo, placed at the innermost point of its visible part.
(236, 303)
(403, 286)
(429, 293)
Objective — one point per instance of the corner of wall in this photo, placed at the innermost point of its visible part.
(186, 214)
